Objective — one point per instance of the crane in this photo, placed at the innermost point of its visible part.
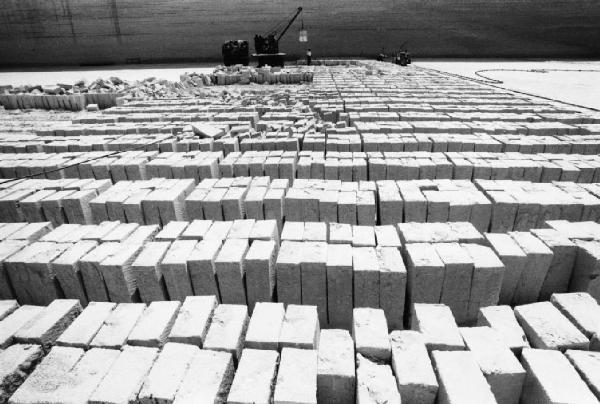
(267, 46)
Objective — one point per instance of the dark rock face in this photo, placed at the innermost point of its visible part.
(37, 32)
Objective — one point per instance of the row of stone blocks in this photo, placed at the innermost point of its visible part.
(72, 102)
(200, 351)
(335, 267)
(496, 206)
(343, 166)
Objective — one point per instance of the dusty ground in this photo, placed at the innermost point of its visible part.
(581, 88)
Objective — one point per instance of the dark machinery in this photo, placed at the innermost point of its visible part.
(267, 46)
(235, 53)
(403, 58)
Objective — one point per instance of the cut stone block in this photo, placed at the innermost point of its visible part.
(340, 233)
(363, 236)
(118, 276)
(587, 365)
(154, 325)
(514, 260)
(551, 379)
(458, 272)
(16, 363)
(293, 231)
(44, 381)
(7, 307)
(91, 274)
(175, 271)
(241, 229)
(387, 236)
(287, 267)
(502, 370)
(366, 277)
(265, 326)
(228, 330)
(560, 270)
(85, 327)
(231, 272)
(415, 377)
(315, 231)
(15, 321)
(375, 383)
(193, 319)
(8, 248)
(370, 334)
(585, 277)
(259, 264)
(425, 273)
(47, 327)
(460, 379)
(297, 377)
(196, 230)
(118, 325)
(31, 275)
(300, 327)
(539, 258)
(124, 379)
(254, 378)
(146, 270)
(67, 270)
(171, 231)
(339, 285)
(437, 324)
(546, 328)
(583, 311)
(165, 378)
(486, 283)
(201, 267)
(208, 378)
(503, 321)
(336, 378)
(313, 267)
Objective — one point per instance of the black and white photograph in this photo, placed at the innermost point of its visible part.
(300, 202)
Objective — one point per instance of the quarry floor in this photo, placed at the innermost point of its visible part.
(559, 80)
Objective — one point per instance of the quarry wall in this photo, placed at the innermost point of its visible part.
(74, 32)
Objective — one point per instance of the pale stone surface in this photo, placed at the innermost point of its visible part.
(154, 325)
(124, 379)
(392, 285)
(164, 379)
(503, 320)
(15, 321)
(460, 379)
(265, 326)
(288, 272)
(539, 258)
(370, 334)
(193, 320)
(439, 329)
(313, 267)
(118, 325)
(375, 384)
(583, 311)
(300, 327)
(588, 366)
(254, 378)
(228, 329)
(230, 269)
(425, 273)
(44, 381)
(339, 285)
(7, 307)
(546, 328)
(147, 271)
(85, 327)
(551, 379)
(46, 328)
(175, 271)
(259, 264)
(297, 377)
(458, 273)
(336, 378)
(201, 267)
(207, 380)
(16, 363)
(514, 260)
(67, 270)
(412, 367)
(366, 277)
(502, 370)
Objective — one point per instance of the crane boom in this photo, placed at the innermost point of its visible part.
(289, 24)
